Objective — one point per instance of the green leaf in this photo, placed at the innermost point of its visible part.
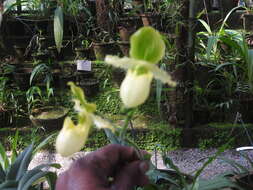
(44, 142)
(169, 164)
(14, 145)
(211, 44)
(29, 174)
(33, 179)
(2, 174)
(250, 68)
(58, 28)
(51, 179)
(223, 65)
(217, 183)
(207, 27)
(1, 18)
(238, 167)
(37, 70)
(20, 165)
(147, 44)
(8, 184)
(4, 162)
(226, 18)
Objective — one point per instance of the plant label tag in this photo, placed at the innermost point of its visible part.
(83, 65)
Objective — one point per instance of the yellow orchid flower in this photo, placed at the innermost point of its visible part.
(72, 137)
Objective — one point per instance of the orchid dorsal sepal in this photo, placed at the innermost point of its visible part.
(148, 45)
(130, 64)
(79, 99)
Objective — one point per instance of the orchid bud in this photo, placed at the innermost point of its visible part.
(135, 88)
(71, 138)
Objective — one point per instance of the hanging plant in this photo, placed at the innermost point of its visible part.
(58, 28)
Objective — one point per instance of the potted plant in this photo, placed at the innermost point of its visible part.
(7, 102)
(42, 107)
(83, 51)
(22, 77)
(103, 45)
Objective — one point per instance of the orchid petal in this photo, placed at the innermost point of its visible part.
(161, 75)
(123, 63)
(102, 123)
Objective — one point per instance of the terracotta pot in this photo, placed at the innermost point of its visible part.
(130, 23)
(149, 19)
(22, 77)
(90, 86)
(248, 22)
(124, 33)
(104, 48)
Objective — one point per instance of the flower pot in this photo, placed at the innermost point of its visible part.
(50, 117)
(41, 56)
(22, 77)
(118, 75)
(138, 4)
(84, 75)
(248, 22)
(124, 33)
(82, 53)
(149, 19)
(131, 24)
(90, 86)
(124, 47)
(65, 79)
(20, 52)
(6, 116)
(104, 48)
(53, 53)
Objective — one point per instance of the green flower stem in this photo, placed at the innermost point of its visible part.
(129, 113)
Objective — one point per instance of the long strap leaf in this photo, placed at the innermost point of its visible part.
(3, 158)
(20, 165)
(58, 28)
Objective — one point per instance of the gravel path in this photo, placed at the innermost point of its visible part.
(188, 160)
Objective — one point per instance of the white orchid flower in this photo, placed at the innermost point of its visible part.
(72, 137)
(147, 49)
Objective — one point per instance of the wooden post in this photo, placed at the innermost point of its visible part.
(180, 100)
